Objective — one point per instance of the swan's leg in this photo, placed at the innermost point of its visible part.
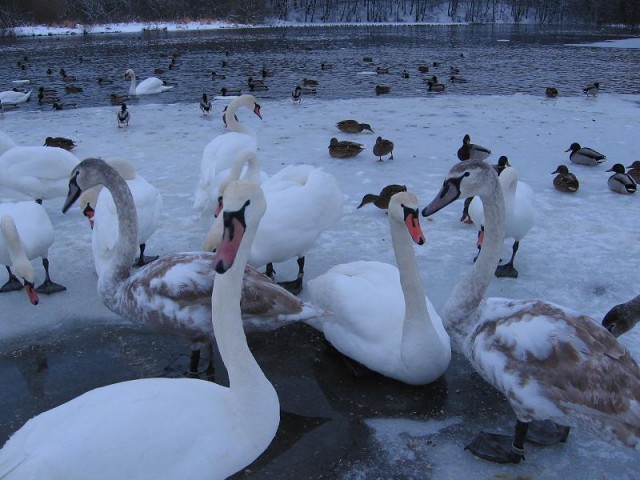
(211, 369)
(39, 201)
(194, 362)
(269, 271)
(142, 259)
(508, 270)
(500, 448)
(12, 284)
(465, 211)
(295, 286)
(48, 287)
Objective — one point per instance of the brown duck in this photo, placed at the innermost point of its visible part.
(60, 142)
(383, 147)
(344, 148)
(382, 199)
(353, 126)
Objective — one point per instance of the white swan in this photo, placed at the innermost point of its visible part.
(519, 201)
(219, 153)
(550, 362)
(302, 202)
(11, 97)
(171, 294)
(381, 317)
(38, 172)
(13, 256)
(98, 206)
(148, 86)
(159, 427)
(6, 142)
(35, 237)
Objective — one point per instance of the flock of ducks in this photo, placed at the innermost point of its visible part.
(257, 214)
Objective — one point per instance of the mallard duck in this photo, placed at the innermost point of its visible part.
(256, 84)
(382, 199)
(326, 66)
(309, 82)
(585, 155)
(423, 69)
(437, 64)
(219, 76)
(353, 126)
(620, 181)
(457, 79)
(47, 99)
(382, 70)
(72, 89)
(344, 148)
(205, 104)
(118, 98)
(634, 170)
(382, 89)
(60, 142)
(296, 95)
(564, 180)
(230, 92)
(266, 72)
(592, 89)
(123, 116)
(471, 151)
(551, 92)
(383, 147)
(104, 81)
(62, 106)
(367, 59)
(623, 317)
(405, 74)
(503, 162)
(454, 70)
(435, 87)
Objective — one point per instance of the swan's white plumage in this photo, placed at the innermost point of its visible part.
(148, 86)
(549, 361)
(219, 153)
(11, 97)
(519, 200)
(160, 428)
(302, 202)
(38, 172)
(34, 226)
(379, 320)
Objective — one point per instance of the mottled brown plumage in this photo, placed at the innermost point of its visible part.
(60, 142)
(353, 126)
(344, 148)
(383, 147)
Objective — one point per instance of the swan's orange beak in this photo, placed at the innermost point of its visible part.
(413, 226)
(31, 293)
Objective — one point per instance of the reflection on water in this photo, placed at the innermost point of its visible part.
(496, 59)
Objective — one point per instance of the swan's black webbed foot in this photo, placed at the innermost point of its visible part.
(144, 259)
(546, 432)
(495, 448)
(48, 287)
(506, 270)
(12, 285)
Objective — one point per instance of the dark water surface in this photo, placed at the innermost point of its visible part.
(496, 59)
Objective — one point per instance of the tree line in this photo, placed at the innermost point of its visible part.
(88, 12)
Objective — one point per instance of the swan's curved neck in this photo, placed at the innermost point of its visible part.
(134, 83)
(244, 372)
(416, 316)
(119, 266)
(230, 115)
(469, 292)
